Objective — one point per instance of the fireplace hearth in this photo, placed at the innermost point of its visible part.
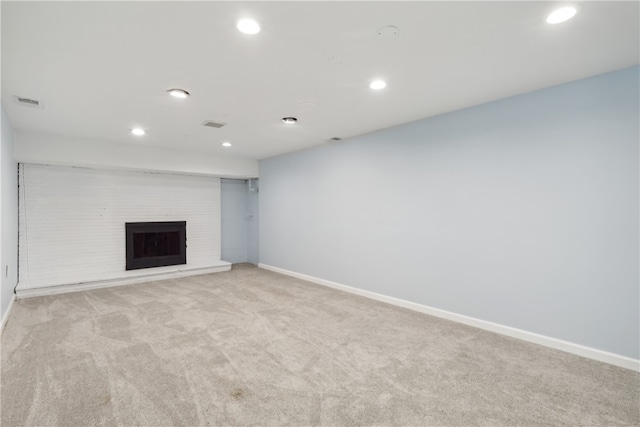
(155, 244)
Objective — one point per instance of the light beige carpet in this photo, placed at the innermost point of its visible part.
(251, 347)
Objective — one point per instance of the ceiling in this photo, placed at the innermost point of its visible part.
(102, 68)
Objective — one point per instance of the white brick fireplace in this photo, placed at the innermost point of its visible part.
(72, 224)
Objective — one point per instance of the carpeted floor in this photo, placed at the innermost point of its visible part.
(252, 347)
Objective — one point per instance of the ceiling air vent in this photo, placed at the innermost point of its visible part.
(212, 124)
(27, 102)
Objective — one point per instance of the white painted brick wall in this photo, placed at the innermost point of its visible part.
(72, 221)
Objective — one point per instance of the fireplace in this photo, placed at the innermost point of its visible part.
(156, 244)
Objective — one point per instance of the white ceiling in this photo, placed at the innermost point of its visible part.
(101, 68)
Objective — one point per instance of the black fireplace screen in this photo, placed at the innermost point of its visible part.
(156, 244)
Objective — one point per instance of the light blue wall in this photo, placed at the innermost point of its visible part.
(9, 197)
(239, 215)
(253, 212)
(522, 212)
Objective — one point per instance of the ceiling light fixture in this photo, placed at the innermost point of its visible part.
(248, 26)
(138, 131)
(289, 120)
(561, 15)
(178, 93)
(378, 84)
(226, 144)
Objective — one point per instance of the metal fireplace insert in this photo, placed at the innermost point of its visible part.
(156, 244)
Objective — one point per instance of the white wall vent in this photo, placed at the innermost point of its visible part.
(212, 124)
(27, 102)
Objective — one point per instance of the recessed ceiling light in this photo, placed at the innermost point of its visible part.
(289, 120)
(378, 84)
(226, 144)
(561, 15)
(248, 26)
(178, 93)
(138, 131)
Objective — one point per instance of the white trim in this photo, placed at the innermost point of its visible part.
(569, 347)
(77, 287)
(5, 318)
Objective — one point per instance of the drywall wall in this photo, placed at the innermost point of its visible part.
(253, 215)
(233, 201)
(39, 148)
(9, 216)
(72, 221)
(239, 220)
(522, 212)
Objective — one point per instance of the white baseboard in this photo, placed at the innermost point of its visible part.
(569, 347)
(5, 318)
(77, 287)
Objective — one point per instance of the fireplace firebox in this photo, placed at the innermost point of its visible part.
(156, 244)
